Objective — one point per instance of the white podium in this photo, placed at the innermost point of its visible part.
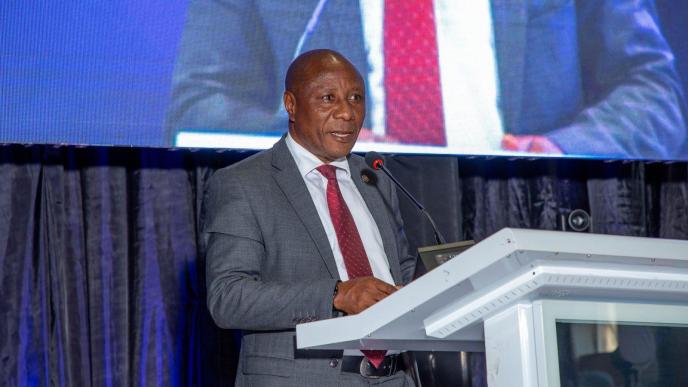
(506, 294)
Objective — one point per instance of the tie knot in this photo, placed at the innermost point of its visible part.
(329, 171)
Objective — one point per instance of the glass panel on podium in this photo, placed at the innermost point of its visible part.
(600, 344)
(620, 355)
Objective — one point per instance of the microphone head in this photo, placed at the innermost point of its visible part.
(374, 160)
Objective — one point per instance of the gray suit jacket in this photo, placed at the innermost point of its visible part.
(595, 76)
(270, 266)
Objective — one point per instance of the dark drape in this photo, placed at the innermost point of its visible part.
(101, 260)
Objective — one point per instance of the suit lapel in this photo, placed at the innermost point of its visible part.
(378, 209)
(288, 178)
(510, 20)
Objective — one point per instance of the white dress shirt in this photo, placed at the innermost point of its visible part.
(316, 183)
(468, 72)
(367, 228)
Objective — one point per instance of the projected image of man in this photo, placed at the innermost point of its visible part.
(585, 77)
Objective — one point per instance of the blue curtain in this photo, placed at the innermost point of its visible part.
(101, 260)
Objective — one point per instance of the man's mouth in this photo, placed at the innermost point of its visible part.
(343, 135)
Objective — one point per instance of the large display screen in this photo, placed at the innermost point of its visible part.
(578, 78)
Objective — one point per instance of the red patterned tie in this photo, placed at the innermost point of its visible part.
(413, 95)
(355, 258)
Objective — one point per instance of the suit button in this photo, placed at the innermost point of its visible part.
(334, 363)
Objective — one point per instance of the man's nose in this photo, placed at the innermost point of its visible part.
(344, 110)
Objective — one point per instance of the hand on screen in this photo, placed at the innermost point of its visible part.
(356, 295)
(532, 144)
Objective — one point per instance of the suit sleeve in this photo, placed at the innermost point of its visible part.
(238, 297)
(221, 77)
(635, 103)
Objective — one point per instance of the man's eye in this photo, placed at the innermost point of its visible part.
(356, 97)
(328, 98)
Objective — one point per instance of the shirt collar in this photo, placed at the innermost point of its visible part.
(306, 161)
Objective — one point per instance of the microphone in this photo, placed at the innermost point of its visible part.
(310, 27)
(375, 161)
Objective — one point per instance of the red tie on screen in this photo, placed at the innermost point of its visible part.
(413, 96)
(355, 258)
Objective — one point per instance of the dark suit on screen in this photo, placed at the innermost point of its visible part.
(270, 265)
(595, 76)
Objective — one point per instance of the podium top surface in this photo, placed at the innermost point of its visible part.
(444, 309)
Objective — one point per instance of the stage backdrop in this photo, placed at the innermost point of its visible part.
(101, 260)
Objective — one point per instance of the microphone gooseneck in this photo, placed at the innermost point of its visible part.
(310, 27)
(375, 161)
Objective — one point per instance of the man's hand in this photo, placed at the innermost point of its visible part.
(356, 295)
(533, 144)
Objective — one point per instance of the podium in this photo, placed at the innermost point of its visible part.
(507, 294)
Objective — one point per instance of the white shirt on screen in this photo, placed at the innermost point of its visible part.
(468, 72)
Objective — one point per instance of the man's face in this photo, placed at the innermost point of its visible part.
(326, 110)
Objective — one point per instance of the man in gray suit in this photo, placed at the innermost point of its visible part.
(276, 253)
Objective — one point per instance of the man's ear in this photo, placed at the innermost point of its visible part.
(289, 104)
